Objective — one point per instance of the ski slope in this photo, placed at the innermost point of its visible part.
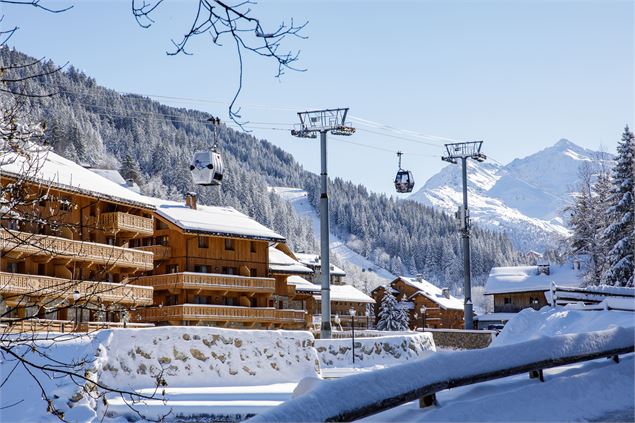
(298, 198)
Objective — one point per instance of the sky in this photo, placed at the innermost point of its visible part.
(517, 74)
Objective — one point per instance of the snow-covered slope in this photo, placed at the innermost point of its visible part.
(524, 198)
(300, 202)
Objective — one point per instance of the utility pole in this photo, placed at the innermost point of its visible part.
(464, 151)
(312, 122)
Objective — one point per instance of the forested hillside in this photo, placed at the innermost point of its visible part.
(99, 127)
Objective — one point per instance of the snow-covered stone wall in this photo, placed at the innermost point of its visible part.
(205, 356)
(369, 352)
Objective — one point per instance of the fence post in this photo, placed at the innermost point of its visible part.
(553, 294)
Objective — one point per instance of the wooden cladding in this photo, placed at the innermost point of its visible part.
(47, 286)
(19, 244)
(125, 222)
(161, 252)
(208, 282)
(220, 314)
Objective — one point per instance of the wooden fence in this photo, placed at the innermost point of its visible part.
(593, 298)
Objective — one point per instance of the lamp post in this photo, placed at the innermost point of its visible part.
(352, 312)
(75, 299)
(423, 318)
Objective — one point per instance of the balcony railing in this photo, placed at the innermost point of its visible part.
(23, 243)
(161, 252)
(216, 313)
(12, 325)
(117, 221)
(208, 282)
(46, 286)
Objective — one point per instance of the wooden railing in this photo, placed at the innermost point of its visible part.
(208, 282)
(118, 221)
(161, 252)
(594, 297)
(220, 314)
(12, 325)
(26, 243)
(47, 286)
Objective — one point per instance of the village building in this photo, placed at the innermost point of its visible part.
(515, 288)
(427, 305)
(67, 238)
(212, 268)
(304, 289)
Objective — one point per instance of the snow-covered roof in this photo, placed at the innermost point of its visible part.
(212, 220)
(495, 317)
(526, 278)
(303, 285)
(279, 262)
(116, 177)
(51, 168)
(346, 293)
(314, 261)
(433, 293)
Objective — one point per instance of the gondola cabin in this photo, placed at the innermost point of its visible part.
(404, 181)
(207, 168)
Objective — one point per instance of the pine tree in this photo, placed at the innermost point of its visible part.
(392, 316)
(130, 169)
(620, 232)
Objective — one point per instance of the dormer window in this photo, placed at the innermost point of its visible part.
(229, 244)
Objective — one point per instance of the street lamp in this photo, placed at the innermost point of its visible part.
(423, 317)
(75, 299)
(352, 312)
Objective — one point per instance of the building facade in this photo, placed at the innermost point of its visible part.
(66, 238)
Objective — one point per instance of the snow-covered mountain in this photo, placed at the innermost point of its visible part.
(525, 198)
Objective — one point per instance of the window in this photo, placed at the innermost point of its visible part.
(12, 267)
(172, 268)
(110, 241)
(252, 246)
(253, 272)
(230, 301)
(202, 242)
(65, 204)
(200, 269)
(171, 300)
(200, 299)
(229, 244)
(41, 269)
(507, 300)
(229, 270)
(162, 240)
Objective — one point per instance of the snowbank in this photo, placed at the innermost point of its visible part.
(369, 352)
(531, 324)
(332, 398)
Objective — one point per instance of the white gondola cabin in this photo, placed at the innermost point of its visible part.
(207, 168)
(404, 181)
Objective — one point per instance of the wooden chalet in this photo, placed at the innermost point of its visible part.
(442, 310)
(211, 268)
(518, 287)
(68, 262)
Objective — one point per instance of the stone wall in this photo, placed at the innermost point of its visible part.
(462, 339)
(369, 352)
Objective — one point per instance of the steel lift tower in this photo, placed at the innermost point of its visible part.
(464, 151)
(312, 122)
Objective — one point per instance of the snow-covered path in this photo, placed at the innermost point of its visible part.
(580, 392)
(298, 199)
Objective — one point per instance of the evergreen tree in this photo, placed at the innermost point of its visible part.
(621, 229)
(392, 316)
(130, 169)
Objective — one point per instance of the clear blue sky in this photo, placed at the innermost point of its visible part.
(518, 74)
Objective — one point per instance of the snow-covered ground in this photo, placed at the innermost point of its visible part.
(300, 202)
(579, 392)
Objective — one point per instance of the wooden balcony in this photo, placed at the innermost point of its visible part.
(208, 282)
(125, 222)
(46, 286)
(221, 314)
(20, 244)
(161, 252)
(18, 326)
